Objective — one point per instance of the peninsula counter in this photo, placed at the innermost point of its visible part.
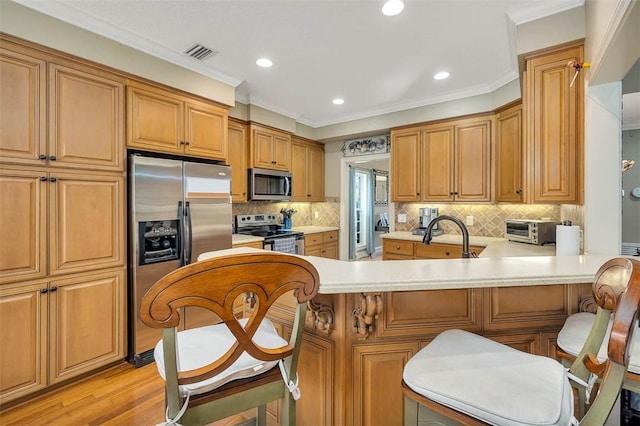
(371, 317)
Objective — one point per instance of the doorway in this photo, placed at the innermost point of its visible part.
(631, 162)
(360, 209)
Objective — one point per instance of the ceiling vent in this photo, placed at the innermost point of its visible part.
(199, 52)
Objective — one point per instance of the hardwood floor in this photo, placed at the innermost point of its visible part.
(122, 395)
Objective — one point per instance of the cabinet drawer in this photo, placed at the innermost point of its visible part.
(398, 247)
(313, 239)
(443, 251)
(329, 237)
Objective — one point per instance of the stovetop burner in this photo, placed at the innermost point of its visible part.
(263, 225)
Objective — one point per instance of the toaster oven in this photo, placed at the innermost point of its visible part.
(531, 231)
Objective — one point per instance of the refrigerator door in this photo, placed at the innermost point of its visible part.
(155, 242)
(208, 220)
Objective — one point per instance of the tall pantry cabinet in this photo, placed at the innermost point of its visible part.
(62, 203)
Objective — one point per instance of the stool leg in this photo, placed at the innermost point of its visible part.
(410, 412)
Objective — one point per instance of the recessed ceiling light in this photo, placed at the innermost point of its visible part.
(441, 75)
(338, 101)
(264, 63)
(392, 7)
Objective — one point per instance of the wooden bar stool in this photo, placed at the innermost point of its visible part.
(463, 378)
(217, 371)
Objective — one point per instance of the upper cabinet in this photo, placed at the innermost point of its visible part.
(509, 154)
(164, 121)
(307, 170)
(84, 104)
(442, 162)
(237, 159)
(269, 148)
(554, 115)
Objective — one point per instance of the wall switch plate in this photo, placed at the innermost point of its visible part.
(402, 218)
(469, 220)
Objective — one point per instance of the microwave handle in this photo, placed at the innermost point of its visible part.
(287, 185)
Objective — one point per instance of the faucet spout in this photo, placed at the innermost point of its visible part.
(465, 233)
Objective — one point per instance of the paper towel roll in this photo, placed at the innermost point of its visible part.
(567, 240)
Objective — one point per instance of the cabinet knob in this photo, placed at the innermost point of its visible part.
(43, 179)
(53, 158)
(52, 179)
(519, 191)
(187, 142)
(44, 290)
(397, 247)
(447, 253)
(54, 288)
(181, 142)
(42, 157)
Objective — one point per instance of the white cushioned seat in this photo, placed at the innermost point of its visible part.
(490, 381)
(575, 331)
(201, 346)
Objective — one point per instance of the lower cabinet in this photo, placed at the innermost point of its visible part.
(60, 329)
(408, 250)
(377, 371)
(322, 244)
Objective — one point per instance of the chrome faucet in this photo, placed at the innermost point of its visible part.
(465, 234)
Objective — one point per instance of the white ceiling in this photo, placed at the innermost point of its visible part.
(324, 49)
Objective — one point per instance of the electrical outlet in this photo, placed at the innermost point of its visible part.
(316, 215)
(469, 220)
(402, 218)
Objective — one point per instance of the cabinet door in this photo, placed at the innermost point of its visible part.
(508, 155)
(262, 149)
(472, 161)
(154, 120)
(23, 361)
(87, 323)
(299, 172)
(377, 372)
(315, 369)
(205, 131)
(315, 250)
(87, 222)
(23, 225)
(330, 250)
(282, 152)
(237, 159)
(86, 120)
(23, 98)
(555, 120)
(405, 166)
(315, 182)
(437, 164)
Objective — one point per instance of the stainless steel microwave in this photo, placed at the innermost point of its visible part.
(269, 185)
(531, 231)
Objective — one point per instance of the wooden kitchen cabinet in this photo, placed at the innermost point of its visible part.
(84, 104)
(237, 159)
(269, 148)
(322, 244)
(23, 102)
(446, 161)
(59, 329)
(164, 121)
(393, 249)
(85, 227)
(405, 165)
(555, 122)
(509, 155)
(307, 170)
(377, 373)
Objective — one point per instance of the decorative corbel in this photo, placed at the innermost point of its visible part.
(323, 316)
(367, 308)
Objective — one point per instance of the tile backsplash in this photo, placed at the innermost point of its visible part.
(328, 212)
(488, 218)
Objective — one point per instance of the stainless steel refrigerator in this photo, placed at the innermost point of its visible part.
(177, 210)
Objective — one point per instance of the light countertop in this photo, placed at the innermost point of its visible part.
(338, 276)
(314, 229)
(244, 239)
(493, 247)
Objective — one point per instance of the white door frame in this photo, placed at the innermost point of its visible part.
(344, 199)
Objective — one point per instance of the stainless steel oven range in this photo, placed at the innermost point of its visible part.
(276, 238)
